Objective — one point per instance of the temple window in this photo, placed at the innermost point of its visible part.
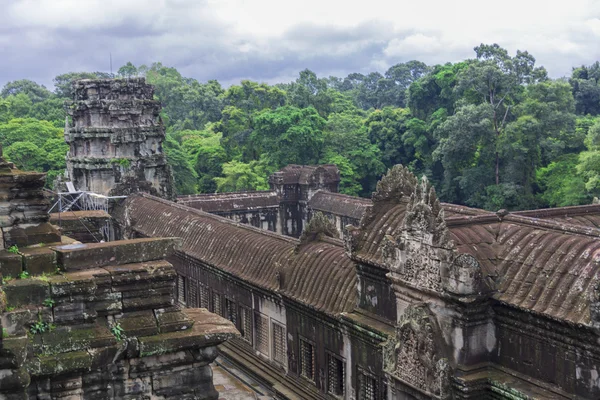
(230, 310)
(279, 343)
(181, 289)
(367, 386)
(216, 304)
(262, 333)
(336, 375)
(204, 297)
(246, 324)
(307, 360)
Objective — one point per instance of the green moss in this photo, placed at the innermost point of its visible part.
(123, 162)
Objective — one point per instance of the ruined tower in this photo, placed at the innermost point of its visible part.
(115, 137)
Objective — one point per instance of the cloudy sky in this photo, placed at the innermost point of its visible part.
(272, 40)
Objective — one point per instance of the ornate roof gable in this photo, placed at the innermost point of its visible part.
(417, 354)
(319, 225)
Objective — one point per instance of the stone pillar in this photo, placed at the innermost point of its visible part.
(115, 138)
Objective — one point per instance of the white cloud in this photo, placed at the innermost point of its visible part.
(270, 40)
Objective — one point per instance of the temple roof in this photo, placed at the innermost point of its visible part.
(306, 174)
(547, 265)
(339, 204)
(265, 259)
(230, 202)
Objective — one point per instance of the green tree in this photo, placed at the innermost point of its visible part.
(28, 130)
(496, 81)
(309, 90)
(26, 156)
(185, 177)
(127, 71)
(589, 161)
(288, 135)
(561, 185)
(585, 83)
(239, 176)
(34, 91)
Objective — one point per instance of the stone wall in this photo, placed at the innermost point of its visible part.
(101, 323)
(115, 137)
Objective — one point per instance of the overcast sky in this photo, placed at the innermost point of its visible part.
(272, 40)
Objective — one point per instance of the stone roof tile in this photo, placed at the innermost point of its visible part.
(268, 260)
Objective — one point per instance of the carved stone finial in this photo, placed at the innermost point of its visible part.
(397, 183)
(318, 225)
(425, 215)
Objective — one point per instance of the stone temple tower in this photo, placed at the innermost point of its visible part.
(115, 138)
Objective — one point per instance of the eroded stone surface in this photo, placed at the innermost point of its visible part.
(115, 139)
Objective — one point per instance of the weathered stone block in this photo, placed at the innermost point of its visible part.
(208, 329)
(133, 388)
(141, 323)
(71, 339)
(30, 234)
(13, 380)
(148, 366)
(57, 364)
(76, 312)
(86, 256)
(22, 292)
(171, 320)
(182, 381)
(38, 260)
(13, 352)
(147, 303)
(10, 264)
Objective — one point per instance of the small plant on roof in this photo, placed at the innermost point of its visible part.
(24, 275)
(40, 326)
(49, 302)
(13, 249)
(117, 330)
(6, 279)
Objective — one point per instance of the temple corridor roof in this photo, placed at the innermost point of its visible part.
(317, 273)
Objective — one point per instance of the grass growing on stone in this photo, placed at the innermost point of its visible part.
(117, 330)
(13, 249)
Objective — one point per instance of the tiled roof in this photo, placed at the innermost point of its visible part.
(339, 204)
(544, 265)
(228, 202)
(306, 174)
(268, 260)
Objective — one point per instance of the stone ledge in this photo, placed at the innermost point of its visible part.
(208, 330)
(94, 255)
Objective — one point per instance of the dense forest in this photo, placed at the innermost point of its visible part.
(492, 132)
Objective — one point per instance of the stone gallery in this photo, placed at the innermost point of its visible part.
(395, 297)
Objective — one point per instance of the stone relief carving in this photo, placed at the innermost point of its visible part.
(398, 182)
(425, 216)
(416, 356)
(318, 225)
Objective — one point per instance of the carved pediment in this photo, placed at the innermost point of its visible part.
(319, 225)
(397, 183)
(424, 217)
(417, 355)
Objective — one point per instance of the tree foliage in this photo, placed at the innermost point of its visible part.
(492, 131)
